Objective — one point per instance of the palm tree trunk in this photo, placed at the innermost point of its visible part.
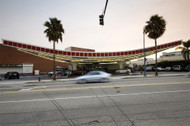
(156, 73)
(54, 76)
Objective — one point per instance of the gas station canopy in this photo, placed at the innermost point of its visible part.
(88, 57)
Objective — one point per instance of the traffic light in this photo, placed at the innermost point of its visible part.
(101, 18)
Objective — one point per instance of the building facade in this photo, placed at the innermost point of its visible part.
(171, 56)
(40, 59)
(11, 59)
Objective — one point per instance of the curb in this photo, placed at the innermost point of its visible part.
(161, 75)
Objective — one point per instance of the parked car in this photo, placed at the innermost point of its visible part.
(51, 73)
(177, 68)
(65, 73)
(187, 68)
(150, 68)
(123, 71)
(168, 68)
(12, 74)
(94, 76)
(161, 69)
(78, 72)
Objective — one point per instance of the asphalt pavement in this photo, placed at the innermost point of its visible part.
(133, 101)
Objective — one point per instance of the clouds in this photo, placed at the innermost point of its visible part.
(23, 20)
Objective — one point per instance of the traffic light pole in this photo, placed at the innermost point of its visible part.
(105, 7)
(101, 17)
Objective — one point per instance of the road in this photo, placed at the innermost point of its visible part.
(153, 101)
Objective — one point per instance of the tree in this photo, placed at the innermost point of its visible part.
(155, 28)
(54, 33)
(185, 50)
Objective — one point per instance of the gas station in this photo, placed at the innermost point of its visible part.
(79, 60)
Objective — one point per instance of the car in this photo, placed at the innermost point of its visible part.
(94, 76)
(51, 73)
(78, 72)
(123, 71)
(11, 75)
(150, 68)
(187, 68)
(168, 68)
(177, 68)
(161, 69)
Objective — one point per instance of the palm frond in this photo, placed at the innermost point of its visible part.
(155, 27)
(54, 30)
(185, 50)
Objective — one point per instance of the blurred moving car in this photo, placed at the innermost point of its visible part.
(94, 76)
(12, 74)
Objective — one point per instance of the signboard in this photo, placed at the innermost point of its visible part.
(10, 65)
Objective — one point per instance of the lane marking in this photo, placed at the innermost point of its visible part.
(95, 96)
(27, 89)
(94, 87)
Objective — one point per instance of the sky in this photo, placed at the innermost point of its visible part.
(23, 21)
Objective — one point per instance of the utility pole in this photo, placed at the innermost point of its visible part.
(144, 51)
(101, 17)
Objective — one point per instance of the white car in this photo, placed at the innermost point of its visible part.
(123, 71)
(94, 76)
(177, 68)
(161, 69)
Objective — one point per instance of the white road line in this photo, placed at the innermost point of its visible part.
(94, 96)
(28, 89)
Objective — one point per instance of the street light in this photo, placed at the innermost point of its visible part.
(144, 53)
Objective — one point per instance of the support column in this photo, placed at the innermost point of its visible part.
(74, 64)
(121, 64)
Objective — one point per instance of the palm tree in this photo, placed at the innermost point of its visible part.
(185, 50)
(54, 33)
(155, 28)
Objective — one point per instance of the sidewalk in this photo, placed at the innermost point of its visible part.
(149, 75)
(152, 75)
